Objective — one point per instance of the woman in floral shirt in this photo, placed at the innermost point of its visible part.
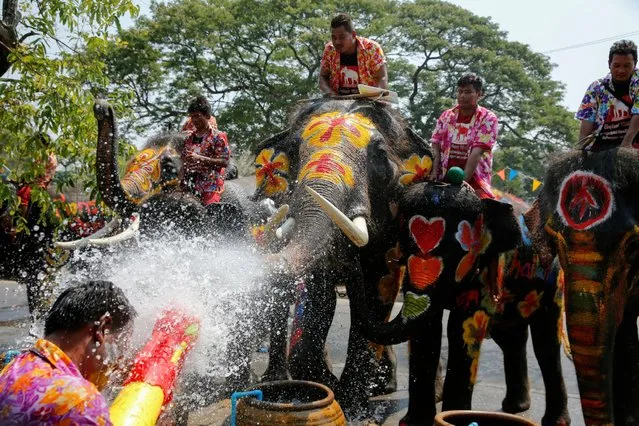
(465, 136)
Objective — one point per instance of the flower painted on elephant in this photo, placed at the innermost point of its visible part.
(142, 176)
(414, 305)
(585, 200)
(272, 171)
(424, 269)
(475, 329)
(473, 239)
(328, 164)
(467, 300)
(530, 303)
(415, 169)
(331, 128)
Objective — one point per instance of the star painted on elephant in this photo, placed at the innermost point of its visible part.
(327, 164)
(473, 239)
(424, 269)
(142, 175)
(585, 200)
(530, 304)
(331, 128)
(415, 169)
(272, 171)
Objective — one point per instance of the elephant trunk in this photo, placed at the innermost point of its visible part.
(591, 321)
(107, 173)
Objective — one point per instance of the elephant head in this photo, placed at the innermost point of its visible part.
(587, 213)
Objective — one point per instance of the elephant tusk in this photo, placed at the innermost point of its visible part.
(356, 229)
(127, 234)
(276, 219)
(83, 242)
(285, 230)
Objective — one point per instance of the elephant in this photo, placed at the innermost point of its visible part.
(352, 155)
(149, 187)
(587, 215)
(475, 258)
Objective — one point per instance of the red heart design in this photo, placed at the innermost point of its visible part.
(427, 234)
(424, 271)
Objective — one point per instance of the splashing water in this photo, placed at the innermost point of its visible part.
(208, 278)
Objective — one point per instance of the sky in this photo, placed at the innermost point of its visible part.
(546, 25)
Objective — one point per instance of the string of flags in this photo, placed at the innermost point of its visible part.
(509, 174)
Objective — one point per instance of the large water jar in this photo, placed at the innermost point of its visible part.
(291, 402)
(482, 418)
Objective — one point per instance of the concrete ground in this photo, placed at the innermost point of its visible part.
(489, 390)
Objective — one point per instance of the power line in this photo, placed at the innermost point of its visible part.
(589, 43)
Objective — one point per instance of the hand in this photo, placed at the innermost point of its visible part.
(196, 163)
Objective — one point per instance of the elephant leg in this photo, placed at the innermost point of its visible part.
(512, 337)
(313, 316)
(547, 345)
(626, 372)
(465, 335)
(277, 363)
(423, 369)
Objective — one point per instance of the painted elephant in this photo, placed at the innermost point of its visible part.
(150, 187)
(353, 155)
(475, 258)
(588, 215)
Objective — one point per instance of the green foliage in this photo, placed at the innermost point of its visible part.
(50, 91)
(254, 59)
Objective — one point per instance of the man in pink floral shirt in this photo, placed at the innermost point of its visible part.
(56, 381)
(349, 60)
(465, 136)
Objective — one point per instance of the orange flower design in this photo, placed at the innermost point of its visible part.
(143, 173)
(475, 329)
(415, 169)
(272, 171)
(328, 164)
(530, 303)
(424, 269)
(473, 239)
(331, 128)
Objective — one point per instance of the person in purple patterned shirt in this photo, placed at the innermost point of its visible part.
(57, 380)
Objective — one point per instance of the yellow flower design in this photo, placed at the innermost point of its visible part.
(475, 329)
(332, 128)
(143, 173)
(415, 169)
(327, 164)
(272, 171)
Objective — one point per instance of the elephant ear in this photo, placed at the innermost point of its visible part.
(276, 162)
(536, 220)
(503, 226)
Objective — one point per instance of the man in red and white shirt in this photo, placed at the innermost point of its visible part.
(349, 60)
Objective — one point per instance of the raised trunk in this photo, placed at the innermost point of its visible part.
(107, 171)
(591, 323)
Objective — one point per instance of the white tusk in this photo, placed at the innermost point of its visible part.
(276, 219)
(83, 242)
(128, 233)
(355, 229)
(286, 228)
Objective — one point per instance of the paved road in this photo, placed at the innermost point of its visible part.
(489, 390)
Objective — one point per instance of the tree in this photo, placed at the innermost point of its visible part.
(47, 88)
(255, 59)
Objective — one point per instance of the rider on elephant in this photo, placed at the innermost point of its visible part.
(464, 137)
(205, 155)
(609, 111)
(349, 60)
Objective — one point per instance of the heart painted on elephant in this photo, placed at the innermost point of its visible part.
(414, 305)
(425, 270)
(427, 234)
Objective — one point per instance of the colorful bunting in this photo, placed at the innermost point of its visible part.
(513, 174)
